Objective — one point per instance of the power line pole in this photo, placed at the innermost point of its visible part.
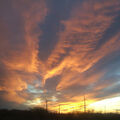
(59, 109)
(105, 109)
(84, 104)
(46, 104)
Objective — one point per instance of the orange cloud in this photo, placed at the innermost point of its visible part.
(70, 79)
(11, 85)
(33, 13)
(14, 97)
(77, 43)
(75, 53)
(24, 56)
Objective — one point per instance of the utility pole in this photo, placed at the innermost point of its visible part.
(46, 104)
(84, 104)
(105, 109)
(59, 109)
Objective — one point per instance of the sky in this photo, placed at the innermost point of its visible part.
(60, 51)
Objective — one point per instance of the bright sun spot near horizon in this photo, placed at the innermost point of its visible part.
(104, 106)
(107, 105)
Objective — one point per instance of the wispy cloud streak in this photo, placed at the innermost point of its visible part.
(19, 59)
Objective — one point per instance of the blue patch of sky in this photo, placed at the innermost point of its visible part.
(32, 89)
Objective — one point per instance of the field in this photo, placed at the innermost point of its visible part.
(41, 114)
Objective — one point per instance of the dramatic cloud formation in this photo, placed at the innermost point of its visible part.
(59, 51)
(19, 46)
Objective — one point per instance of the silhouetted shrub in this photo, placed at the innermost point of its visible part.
(42, 114)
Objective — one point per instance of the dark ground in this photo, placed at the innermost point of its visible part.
(41, 114)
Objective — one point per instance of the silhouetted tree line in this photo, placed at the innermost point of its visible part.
(42, 114)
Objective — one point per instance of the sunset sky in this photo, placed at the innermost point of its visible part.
(60, 50)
